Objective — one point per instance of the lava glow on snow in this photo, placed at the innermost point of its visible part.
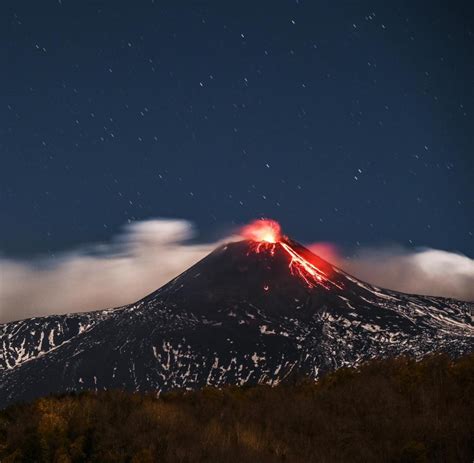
(266, 237)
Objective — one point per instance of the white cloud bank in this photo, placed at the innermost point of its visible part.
(144, 256)
(149, 253)
(424, 271)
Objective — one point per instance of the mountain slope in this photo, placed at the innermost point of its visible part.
(249, 312)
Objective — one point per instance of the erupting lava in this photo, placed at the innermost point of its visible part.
(266, 234)
(264, 230)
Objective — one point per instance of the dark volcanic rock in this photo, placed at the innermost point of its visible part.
(236, 317)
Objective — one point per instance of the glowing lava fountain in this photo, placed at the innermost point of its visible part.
(267, 236)
(264, 230)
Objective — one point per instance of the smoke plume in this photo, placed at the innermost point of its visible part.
(143, 257)
(424, 271)
(147, 254)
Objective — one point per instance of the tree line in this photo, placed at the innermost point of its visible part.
(394, 410)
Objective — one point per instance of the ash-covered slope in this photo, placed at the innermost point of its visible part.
(250, 312)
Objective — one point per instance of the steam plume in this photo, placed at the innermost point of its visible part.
(147, 254)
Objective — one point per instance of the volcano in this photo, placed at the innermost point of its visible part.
(259, 310)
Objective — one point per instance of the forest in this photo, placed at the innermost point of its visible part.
(394, 410)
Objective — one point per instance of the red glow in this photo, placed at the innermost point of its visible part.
(310, 273)
(266, 235)
(265, 230)
(327, 251)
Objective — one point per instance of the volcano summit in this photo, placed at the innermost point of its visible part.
(252, 311)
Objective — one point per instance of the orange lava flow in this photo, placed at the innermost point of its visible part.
(266, 234)
(307, 271)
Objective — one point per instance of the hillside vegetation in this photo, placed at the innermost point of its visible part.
(385, 411)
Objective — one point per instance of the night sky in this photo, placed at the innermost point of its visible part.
(348, 122)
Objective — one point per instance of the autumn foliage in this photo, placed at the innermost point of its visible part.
(394, 410)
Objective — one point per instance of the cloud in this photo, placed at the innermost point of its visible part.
(147, 254)
(424, 271)
(142, 258)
